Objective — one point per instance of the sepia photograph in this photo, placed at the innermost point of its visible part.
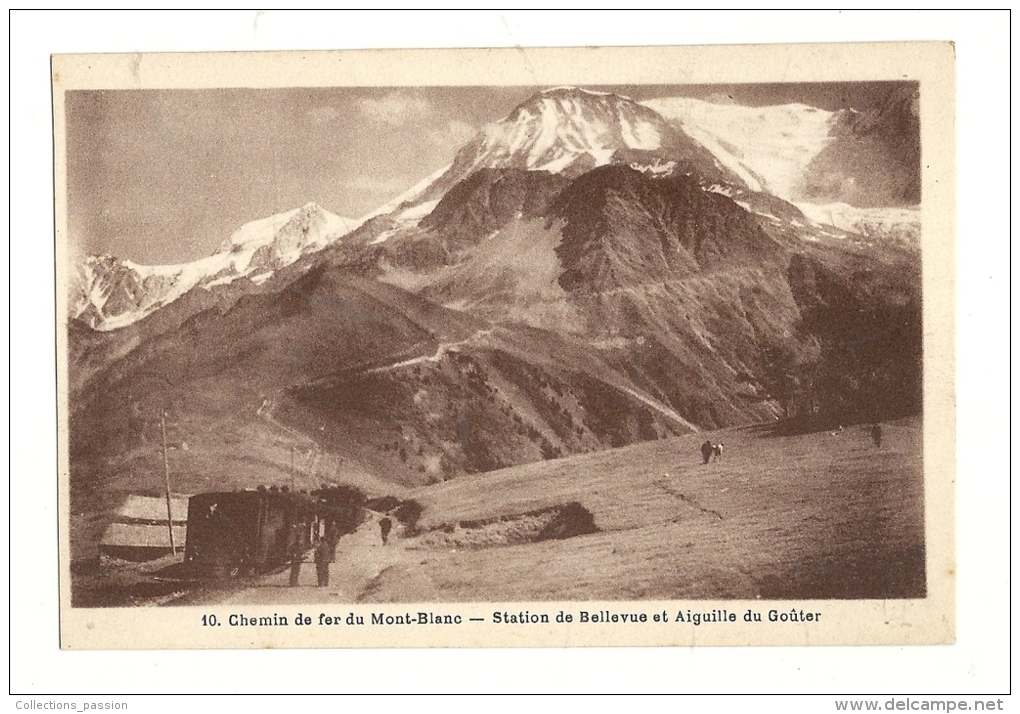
(493, 351)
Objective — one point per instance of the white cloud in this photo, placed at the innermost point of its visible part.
(453, 135)
(396, 108)
(401, 110)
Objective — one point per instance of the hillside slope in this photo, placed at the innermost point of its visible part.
(778, 518)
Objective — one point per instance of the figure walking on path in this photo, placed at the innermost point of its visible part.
(323, 557)
(384, 526)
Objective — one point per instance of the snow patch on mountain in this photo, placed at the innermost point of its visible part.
(640, 135)
(404, 220)
(768, 147)
(899, 223)
(721, 190)
(417, 212)
(657, 169)
(410, 196)
(726, 158)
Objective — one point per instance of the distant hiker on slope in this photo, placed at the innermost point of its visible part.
(384, 526)
(706, 451)
(876, 435)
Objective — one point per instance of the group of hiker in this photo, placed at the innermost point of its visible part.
(713, 452)
(324, 552)
(710, 451)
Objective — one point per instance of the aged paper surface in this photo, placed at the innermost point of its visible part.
(523, 435)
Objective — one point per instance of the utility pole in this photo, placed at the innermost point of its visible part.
(291, 467)
(166, 476)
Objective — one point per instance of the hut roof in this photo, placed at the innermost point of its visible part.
(142, 536)
(153, 508)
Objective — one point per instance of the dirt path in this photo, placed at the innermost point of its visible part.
(360, 558)
(441, 349)
(266, 412)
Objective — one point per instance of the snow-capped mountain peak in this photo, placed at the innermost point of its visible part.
(108, 292)
(559, 128)
(567, 88)
(570, 131)
(296, 231)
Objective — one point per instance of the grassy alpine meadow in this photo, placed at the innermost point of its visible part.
(826, 515)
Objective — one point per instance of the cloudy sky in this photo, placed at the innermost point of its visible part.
(166, 176)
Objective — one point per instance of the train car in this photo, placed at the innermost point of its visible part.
(247, 532)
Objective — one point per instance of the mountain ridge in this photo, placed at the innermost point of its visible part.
(564, 131)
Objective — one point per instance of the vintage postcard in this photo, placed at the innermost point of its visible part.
(535, 347)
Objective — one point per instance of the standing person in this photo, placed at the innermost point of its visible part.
(296, 558)
(384, 526)
(323, 557)
(876, 435)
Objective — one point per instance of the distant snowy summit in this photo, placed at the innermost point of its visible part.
(109, 293)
